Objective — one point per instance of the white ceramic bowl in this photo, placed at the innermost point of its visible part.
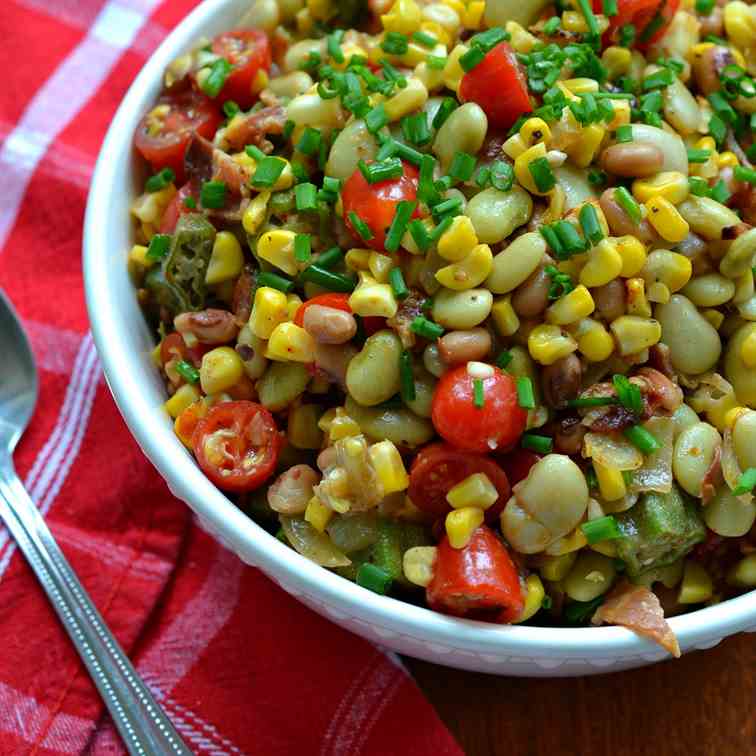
(124, 343)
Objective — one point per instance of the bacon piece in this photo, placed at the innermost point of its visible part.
(712, 478)
(241, 304)
(409, 308)
(638, 609)
(252, 128)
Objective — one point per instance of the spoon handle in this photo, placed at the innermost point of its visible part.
(143, 725)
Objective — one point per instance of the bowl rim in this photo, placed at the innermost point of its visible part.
(155, 436)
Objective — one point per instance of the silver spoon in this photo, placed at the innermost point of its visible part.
(143, 725)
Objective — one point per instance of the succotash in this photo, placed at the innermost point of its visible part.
(457, 299)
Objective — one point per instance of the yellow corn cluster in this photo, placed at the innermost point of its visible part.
(373, 298)
(474, 491)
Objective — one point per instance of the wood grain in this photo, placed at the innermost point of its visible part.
(701, 704)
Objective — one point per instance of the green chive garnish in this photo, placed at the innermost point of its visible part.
(275, 281)
(642, 439)
(746, 482)
(398, 286)
(360, 226)
(327, 279)
(536, 443)
(624, 133)
(542, 174)
(525, 394)
(187, 371)
(213, 195)
(629, 394)
(627, 202)
(601, 529)
(160, 180)
(330, 257)
(219, 72)
(398, 226)
(698, 156)
(406, 377)
(158, 247)
(589, 222)
(426, 328)
(504, 359)
(309, 142)
(479, 395)
(268, 171)
(462, 166)
(302, 249)
(591, 401)
(305, 196)
(471, 58)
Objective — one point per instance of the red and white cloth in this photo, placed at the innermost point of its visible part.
(240, 667)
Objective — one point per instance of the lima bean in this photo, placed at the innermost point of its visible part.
(727, 516)
(515, 263)
(744, 439)
(281, 384)
(694, 451)
(460, 310)
(709, 290)
(591, 576)
(496, 214)
(742, 377)
(372, 376)
(354, 143)
(399, 425)
(465, 129)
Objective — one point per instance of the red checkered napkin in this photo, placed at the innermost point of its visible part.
(240, 667)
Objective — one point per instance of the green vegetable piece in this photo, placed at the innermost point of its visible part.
(394, 538)
(165, 294)
(186, 264)
(657, 531)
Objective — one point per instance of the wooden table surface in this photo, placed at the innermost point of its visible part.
(701, 704)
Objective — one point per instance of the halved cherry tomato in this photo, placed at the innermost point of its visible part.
(499, 86)
(237, 445)
(498, 423)
(376, 203)
(177, 207)
(173, 346)
(639, 13)
(162, 139)
(517, 464)
(439, 467)
(337, 301)
(479, 581)
(247, 51)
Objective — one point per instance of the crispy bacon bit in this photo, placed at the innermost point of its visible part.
(661, 360)
(410, 307)
(252, 128)
(638, 609)
(658, 390)
(712, 478)
(241, 304)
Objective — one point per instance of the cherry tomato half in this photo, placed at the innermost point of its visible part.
(247, 51)
(498, 423)
(162, 139)
(173, 346)
(177, 207)
(237, 445)
(439, 467)
(639, 13)
(499, 86)
(337, 301)
(479, 581)
(376, 203)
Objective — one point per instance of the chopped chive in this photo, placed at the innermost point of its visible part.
(745, 174)
(572, 242)
(471, 58)
(376, 118)
(479, 394)
(327, 278)
(661, 78)
(392, 75)
(448, 105)
(441, 228)
(330, 257)
(628, 393)
(483, 176)
(624, 133)
(266, 278)
(190, 202)
(396, 280)
(536, 443)
(626, 35)
(160, 180)
(504, 359)
(546, 602)
(436, 62)
(597, 178)
(609, 7)
(424, 39)
(426, 191)
(488, 39)
(395, 43)
(579, 612)
(426, 328)
(300, 172)
(383, 171)
(408, 153)
(419, 234)
(601, 529)
(719, 192)
(415, 128)
(640, 438)
(525, 394)
(717, 128)
(214, 81)
(334, 45)
(591, 401)
(462, 166)
(309, 142)
(561, 283)
(360, 226)
(628, 204)
(705, 7)
(332, 184)
(552, 26)
(306, 196)
(268, 171)
(550, 237)
(746, 482)
(589, 222)
(448, 208)
(374, 578)
(230, 109)
(698, 156)
(652, 27)
(213, 194)
(590, 18)
(158, 247)
(387, 149)
(187, 371)
(254, 152)
(698, 186)
(403, 213)
(288, 130)
(406, 377)
(302, 248)
(542, 174)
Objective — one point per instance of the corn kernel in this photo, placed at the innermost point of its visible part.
(318, 514)
(585, 149)
(268, 310)
(633, 333)
(277, 248)
(522, 41)
(748, 350)
(633, 254)
(604, 264)
(293, 303)
(621, 115)
(456, 5)
(138, 261)
(727, 160)
(290, 342)
(341, 426)
(473, 15)
(594, 342)
(610, 480)
(637, 301)
(458, 240)
(389, 467)
(474, 491)
(571, 307)
(373, 298)
(574, 21)
(406, 100)
(404, 17)
(535, 130)
(572, 542)
(184, 396)
(534, 593)
(696, 586)
(616, 60)
(469, 272)
(461, 524)
(514, 146)
(672, 185)
(556, 568)
(254, 215)
(663, 216)
(436, 30)
(380, 266)
(417, 564)
(669, 268)
(431, 78)
(302, 429)
(227, 259)
(658, 293)
(547, 344)
(150, 206)
(221, 369)
(581, 86)
(358, 259)
(453, 71)
(504, 317)
(740, 24)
